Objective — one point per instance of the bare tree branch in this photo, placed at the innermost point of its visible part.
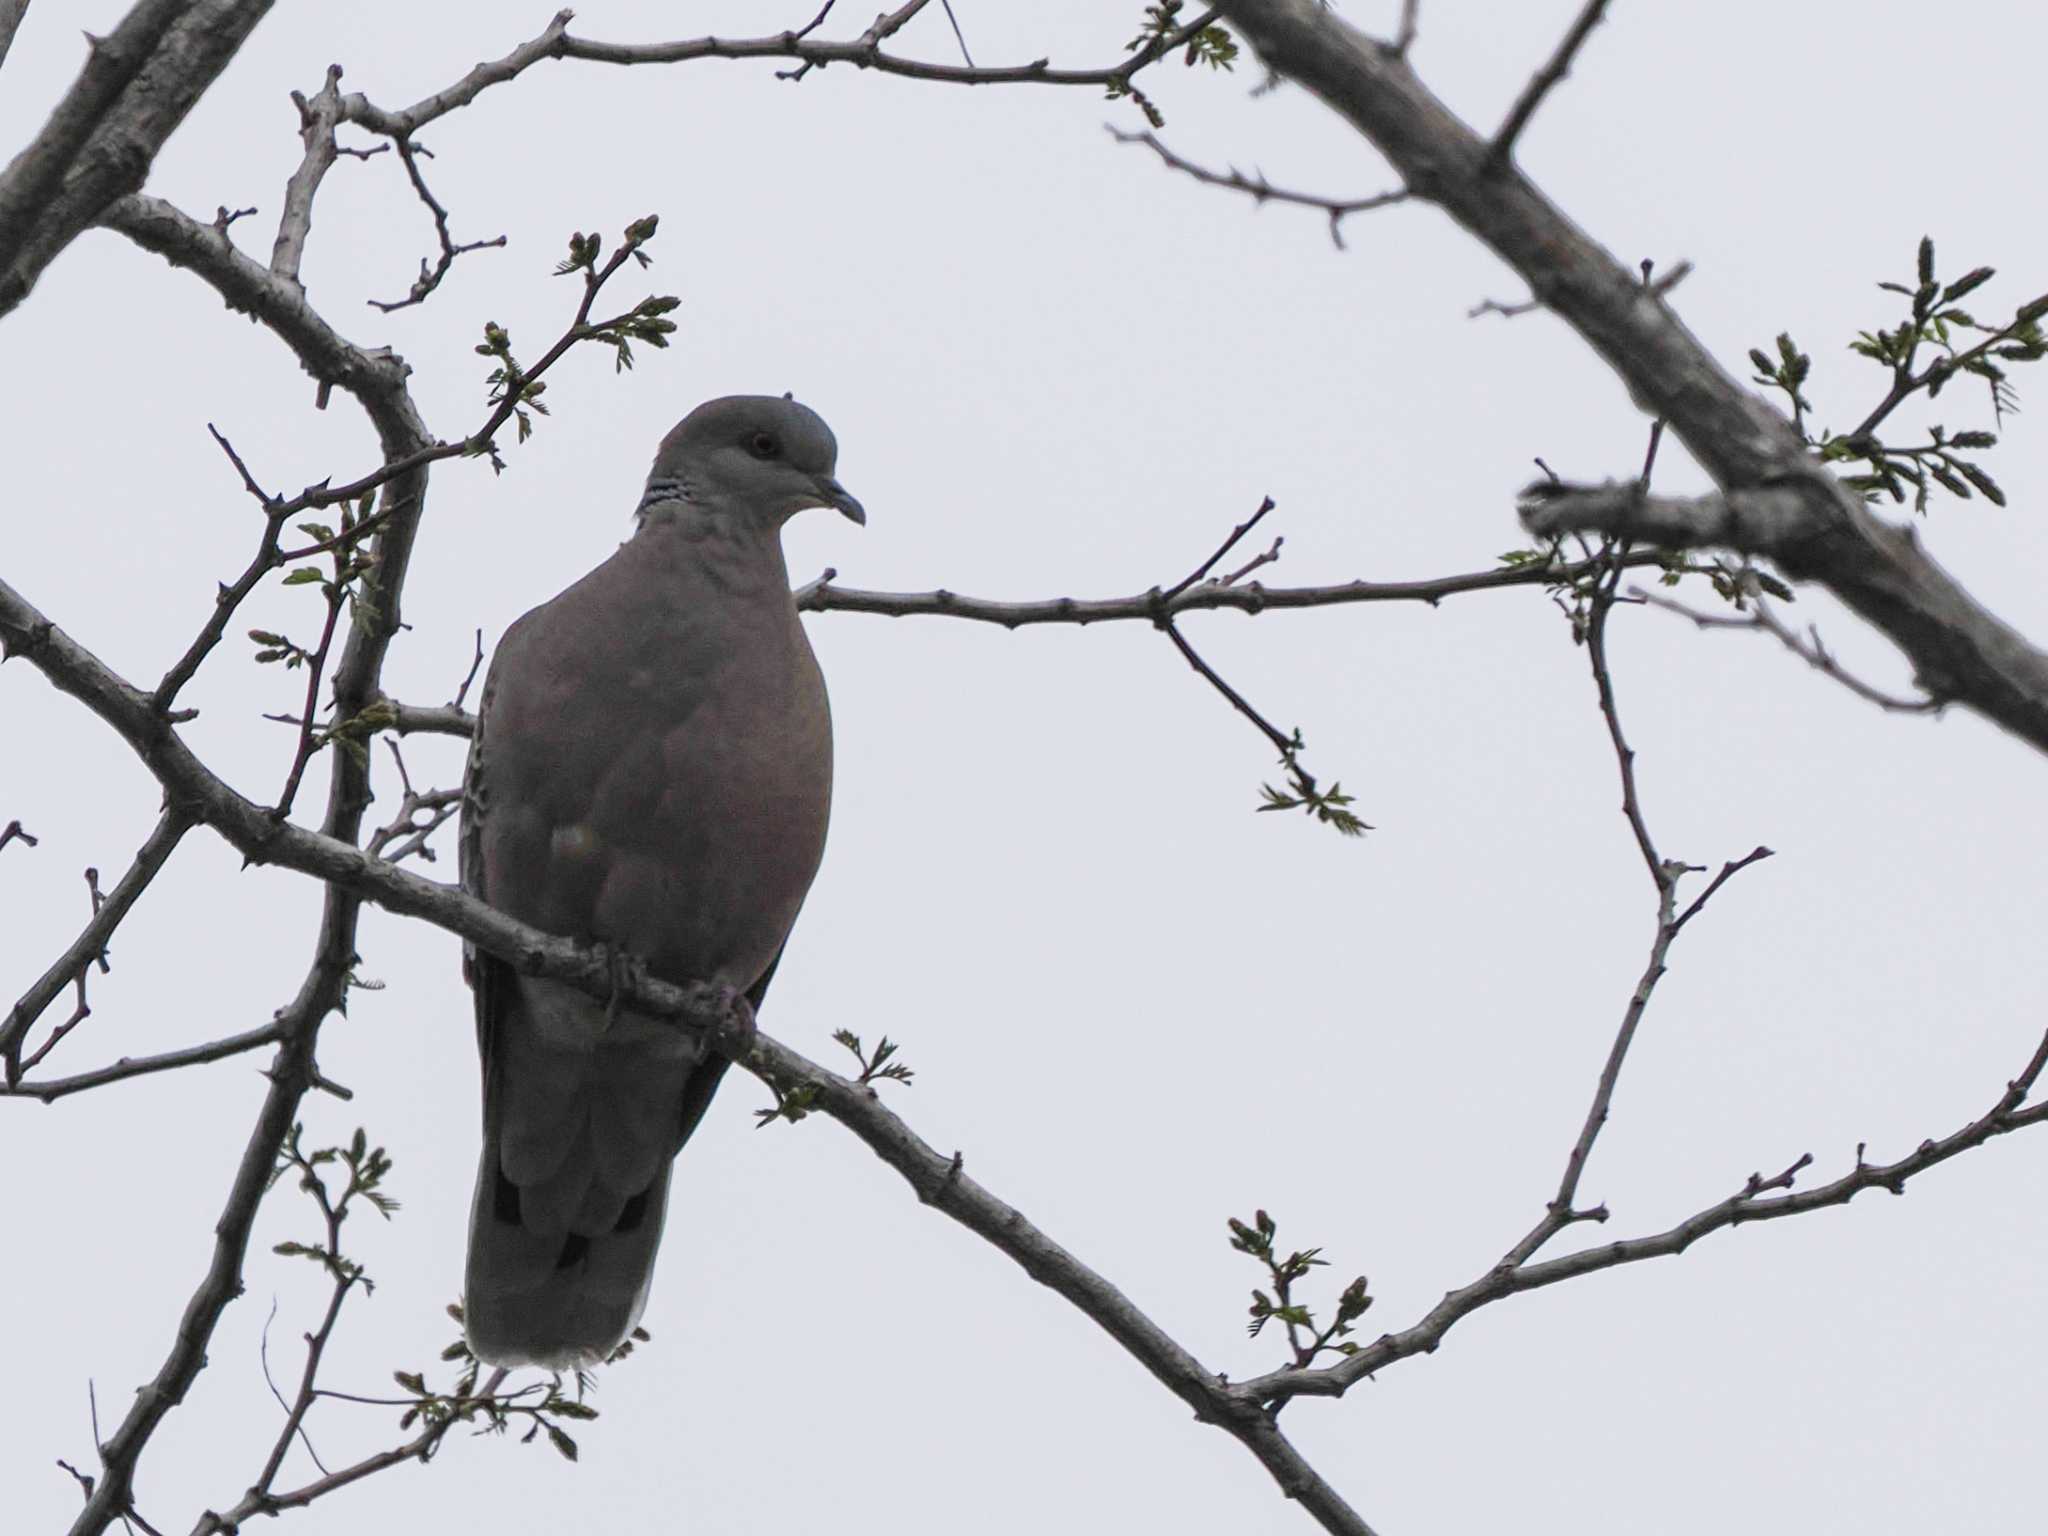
(1241, 1408)
(1404, 39)
(51, 1089)
(430, 276)
(290, 1075)
(1544, 80)
(1775, 496)
(376, 378)
(429, 719)
(91, 942)
(378, 382)
(250, 288)
(317, 118)
(1262, 191)
(353, 876)
(1958, 648)
(138, 83)
(11, 14)
(1747, 1204)
(1760, 616)
(809, 52)
(420, 815)
(1665, 874)
(821, 596)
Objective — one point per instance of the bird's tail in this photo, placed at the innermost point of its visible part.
(559, 1300)
(582, 1120)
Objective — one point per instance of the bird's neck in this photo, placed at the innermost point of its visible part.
(735, 553)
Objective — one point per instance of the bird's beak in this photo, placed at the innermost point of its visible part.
(833, 494)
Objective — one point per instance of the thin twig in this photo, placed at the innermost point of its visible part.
(1262, 191)
(316, 668)
(263, 1358)
(1563, 1209)
(470, 677)
(808, 52)
(1282, 743)
(1663, 875)
(1268, 557)
(1503, 1280)
(1679, 272)
(51, 1089)
(1906, 383)
(1808, 648)
(1230, 543)
(958, 36)
(407, 829)
(276, 511)
(1541, 83)
(89, 946)
(430, 276)
(823, 597)
(316, 1348)
(1404, 39)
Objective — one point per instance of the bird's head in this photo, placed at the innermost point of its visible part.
(764, 453)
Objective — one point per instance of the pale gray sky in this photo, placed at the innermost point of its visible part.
(1054, 368)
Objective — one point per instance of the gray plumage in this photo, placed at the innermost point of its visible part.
(652, 770)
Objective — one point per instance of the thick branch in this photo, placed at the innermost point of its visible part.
(1769, 521)
(11, 13)
(430, 719)
(250, 288)
(317, 118)
(137, 85)
(1958, 649)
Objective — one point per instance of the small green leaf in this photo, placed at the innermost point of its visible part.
(1969, 281)
(1982, 481)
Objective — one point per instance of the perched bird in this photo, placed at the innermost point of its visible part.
(652, 770)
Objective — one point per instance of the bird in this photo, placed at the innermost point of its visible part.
(651, 772)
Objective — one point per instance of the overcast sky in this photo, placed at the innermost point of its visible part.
(1056, 369)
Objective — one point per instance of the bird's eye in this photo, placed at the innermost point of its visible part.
(763, 446)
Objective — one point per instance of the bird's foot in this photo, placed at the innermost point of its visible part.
(623, 968)
(733, 1035)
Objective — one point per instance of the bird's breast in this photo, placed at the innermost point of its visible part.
(684, 814)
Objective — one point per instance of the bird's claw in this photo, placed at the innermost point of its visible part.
(733, 1035)
(621, 967)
